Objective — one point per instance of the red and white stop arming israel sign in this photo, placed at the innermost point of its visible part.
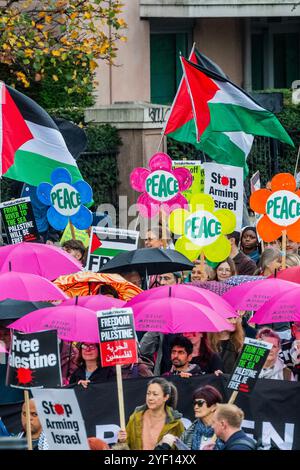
(117, 337)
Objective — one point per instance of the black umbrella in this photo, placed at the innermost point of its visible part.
(148, 261)
(11, 309)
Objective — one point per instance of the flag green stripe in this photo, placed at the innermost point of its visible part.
(107, 252)
(229, 117)
(215, 144)
(33, 168)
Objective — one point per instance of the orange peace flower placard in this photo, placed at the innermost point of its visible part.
(281, 208)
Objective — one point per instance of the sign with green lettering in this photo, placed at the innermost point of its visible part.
(197, 171)
(162, 185)
(65, 199)
(202, 228)
(18, 220)
(249, 365)
(283, 208)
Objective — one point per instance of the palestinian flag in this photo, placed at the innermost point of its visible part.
(111, 246)
(231, 148)
(31, 144)
(220, 106)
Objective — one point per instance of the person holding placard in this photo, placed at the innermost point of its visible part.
(90, 369)
(228, 344)
(274, 367)
(38, 438)
(157, 417)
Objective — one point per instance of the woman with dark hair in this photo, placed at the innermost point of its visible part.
(250, 244)
(157, 417)
(225, 270)
(108, 290)
(200, 433)
(203, 355)
(90, 369)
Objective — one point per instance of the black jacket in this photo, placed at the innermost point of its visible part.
(239, 441)
(101, 374)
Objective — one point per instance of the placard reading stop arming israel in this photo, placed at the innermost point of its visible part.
(225, 184)
(61, 419)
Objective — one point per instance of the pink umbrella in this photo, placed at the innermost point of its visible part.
(251, 296)
(283, 307)
(73, 323)
(47, 261)
(3, 349)
(174, 315)
(95, 302)
(24, 286)
(187, 292)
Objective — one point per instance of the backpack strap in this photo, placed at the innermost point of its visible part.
(245, 442)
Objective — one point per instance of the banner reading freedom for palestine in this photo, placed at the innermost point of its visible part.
(272, 411)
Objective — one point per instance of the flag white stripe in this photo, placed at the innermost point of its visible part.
(48, 143)
(242, 140)
(228, 94)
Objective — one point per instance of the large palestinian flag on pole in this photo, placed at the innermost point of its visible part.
(231, 148)
(31, 144)
(219, 105)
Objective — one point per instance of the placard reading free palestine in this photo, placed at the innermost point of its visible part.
(18, 220)
(106, 243)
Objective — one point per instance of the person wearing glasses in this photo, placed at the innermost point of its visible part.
(200, 433)
(90, 369)
(225, 270)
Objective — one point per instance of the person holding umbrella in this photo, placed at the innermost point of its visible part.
(157, 417)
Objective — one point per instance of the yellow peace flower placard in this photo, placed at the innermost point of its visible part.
(203, 229)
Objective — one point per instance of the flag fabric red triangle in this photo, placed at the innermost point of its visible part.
(182, 110)
(202, 89)
(96, 243)
(14, 131)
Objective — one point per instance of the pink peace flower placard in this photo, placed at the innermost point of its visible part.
(160, 186)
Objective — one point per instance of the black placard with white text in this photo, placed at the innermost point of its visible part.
(18, 220)
(34, 360)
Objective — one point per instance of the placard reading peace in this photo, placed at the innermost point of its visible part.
(281, 208)
(203, 228)
(160, 186)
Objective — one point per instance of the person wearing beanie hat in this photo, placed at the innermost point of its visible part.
(170, 279)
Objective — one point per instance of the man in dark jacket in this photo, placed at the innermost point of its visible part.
(181, 356)
(226, 423)
(244, 265)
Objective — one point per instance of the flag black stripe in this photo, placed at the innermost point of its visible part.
(30, 110)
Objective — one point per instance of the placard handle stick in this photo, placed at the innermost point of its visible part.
(28, 425)
(283, 248)
(233, 397)
(72, 230)
(164, 228)
(120, 397)
(202, 264)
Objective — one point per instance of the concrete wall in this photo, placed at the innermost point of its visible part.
(222, 41)
(130, 80)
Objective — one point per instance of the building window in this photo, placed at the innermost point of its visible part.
(166, 70)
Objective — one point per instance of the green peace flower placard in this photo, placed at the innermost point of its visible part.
(203, 229)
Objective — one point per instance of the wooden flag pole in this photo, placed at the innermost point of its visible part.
(283, 249)
(120, 397)
(28, 425)
(297, 161)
